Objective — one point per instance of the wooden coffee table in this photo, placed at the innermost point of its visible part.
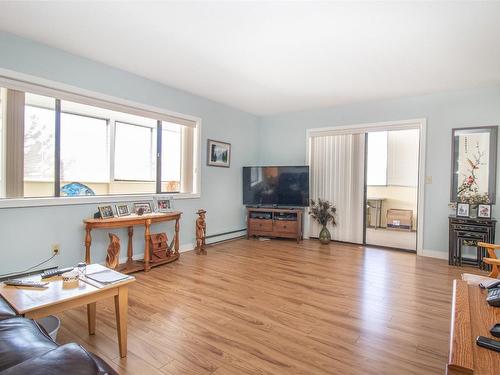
(37, 303)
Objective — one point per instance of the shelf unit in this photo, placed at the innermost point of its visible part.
(275, 222)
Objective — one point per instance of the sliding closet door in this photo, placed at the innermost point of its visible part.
(337, 175)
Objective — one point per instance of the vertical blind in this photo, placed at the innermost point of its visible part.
(337, 175)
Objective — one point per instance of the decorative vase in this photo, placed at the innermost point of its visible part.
(473, 211)
(324, 235)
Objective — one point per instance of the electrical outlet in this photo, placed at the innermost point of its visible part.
(56, 250)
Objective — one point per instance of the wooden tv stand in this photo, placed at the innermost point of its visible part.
(275, 222)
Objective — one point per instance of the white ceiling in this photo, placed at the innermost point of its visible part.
(269, 57)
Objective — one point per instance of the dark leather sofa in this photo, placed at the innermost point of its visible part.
(25, 348)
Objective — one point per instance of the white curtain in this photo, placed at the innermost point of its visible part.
(337, 175)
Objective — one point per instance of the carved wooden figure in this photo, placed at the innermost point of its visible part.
(113, 257)
(201, 232)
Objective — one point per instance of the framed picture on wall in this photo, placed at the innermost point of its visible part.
(484, 211)
(474, 163)
(218, 154)
(463, 209)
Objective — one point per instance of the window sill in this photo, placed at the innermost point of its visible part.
(68, 201)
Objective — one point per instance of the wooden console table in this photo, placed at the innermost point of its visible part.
(471, 316)
(129, 222)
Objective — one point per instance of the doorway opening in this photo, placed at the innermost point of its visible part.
(391, 188)
(374, 174)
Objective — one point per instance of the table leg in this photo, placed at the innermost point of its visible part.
(88, 242)
(121, 309)
(176, 244)
(130, 251)
(147, 237)
(91, 312)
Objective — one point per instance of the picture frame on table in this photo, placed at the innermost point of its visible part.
(484, 211)
(218, 153)
(163, 205)
(146, 208)
(463, 209)
(106, 212)
(122, 210)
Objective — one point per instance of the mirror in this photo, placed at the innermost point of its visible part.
(474, 167)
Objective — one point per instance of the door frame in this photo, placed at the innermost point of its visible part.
(419, 123)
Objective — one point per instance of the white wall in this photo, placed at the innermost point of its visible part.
(443, 111)
(26, 234)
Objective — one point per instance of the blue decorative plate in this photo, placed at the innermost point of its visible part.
(75, 189)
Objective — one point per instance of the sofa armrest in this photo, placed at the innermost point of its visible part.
(5, 310)
(66, 359)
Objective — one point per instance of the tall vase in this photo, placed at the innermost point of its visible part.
(324, 236)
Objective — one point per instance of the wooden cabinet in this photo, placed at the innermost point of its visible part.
(465, 233)
(260, 225)
(275, 222)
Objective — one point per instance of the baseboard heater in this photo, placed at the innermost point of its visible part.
(211, 236)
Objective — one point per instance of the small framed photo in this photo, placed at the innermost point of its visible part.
(163, 205)
(141, 208)
(463, 209)
(218, 154)
(122, 210)
(484, 211)
(106, 212)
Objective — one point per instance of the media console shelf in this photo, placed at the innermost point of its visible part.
(275, 222)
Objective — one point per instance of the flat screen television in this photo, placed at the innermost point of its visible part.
(276, 186)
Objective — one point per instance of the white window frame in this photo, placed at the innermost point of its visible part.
(41, 86)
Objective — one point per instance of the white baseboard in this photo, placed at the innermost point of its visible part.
(435, 254)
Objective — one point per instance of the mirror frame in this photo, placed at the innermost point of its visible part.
(492, 162)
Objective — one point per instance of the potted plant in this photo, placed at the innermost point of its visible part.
(323, 212)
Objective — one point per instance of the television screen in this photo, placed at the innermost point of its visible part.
(276, 186)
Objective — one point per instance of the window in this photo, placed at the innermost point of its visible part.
(67, 148)
(135, 152)
(171, 158)
(39, 146)
(2, 115)
(84, 151)
(393, 158)
(377, 159)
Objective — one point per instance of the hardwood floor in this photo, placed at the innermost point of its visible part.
(277, 307)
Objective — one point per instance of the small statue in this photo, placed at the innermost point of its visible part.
(113, 257)
(201, 232)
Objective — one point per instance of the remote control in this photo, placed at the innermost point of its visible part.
(493, 298)
(490, 284)
(488, 343)
(495, 330)
(28, 283)
(55, 272)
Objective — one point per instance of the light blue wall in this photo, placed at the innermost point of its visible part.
(283, 139)
(26, 234)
